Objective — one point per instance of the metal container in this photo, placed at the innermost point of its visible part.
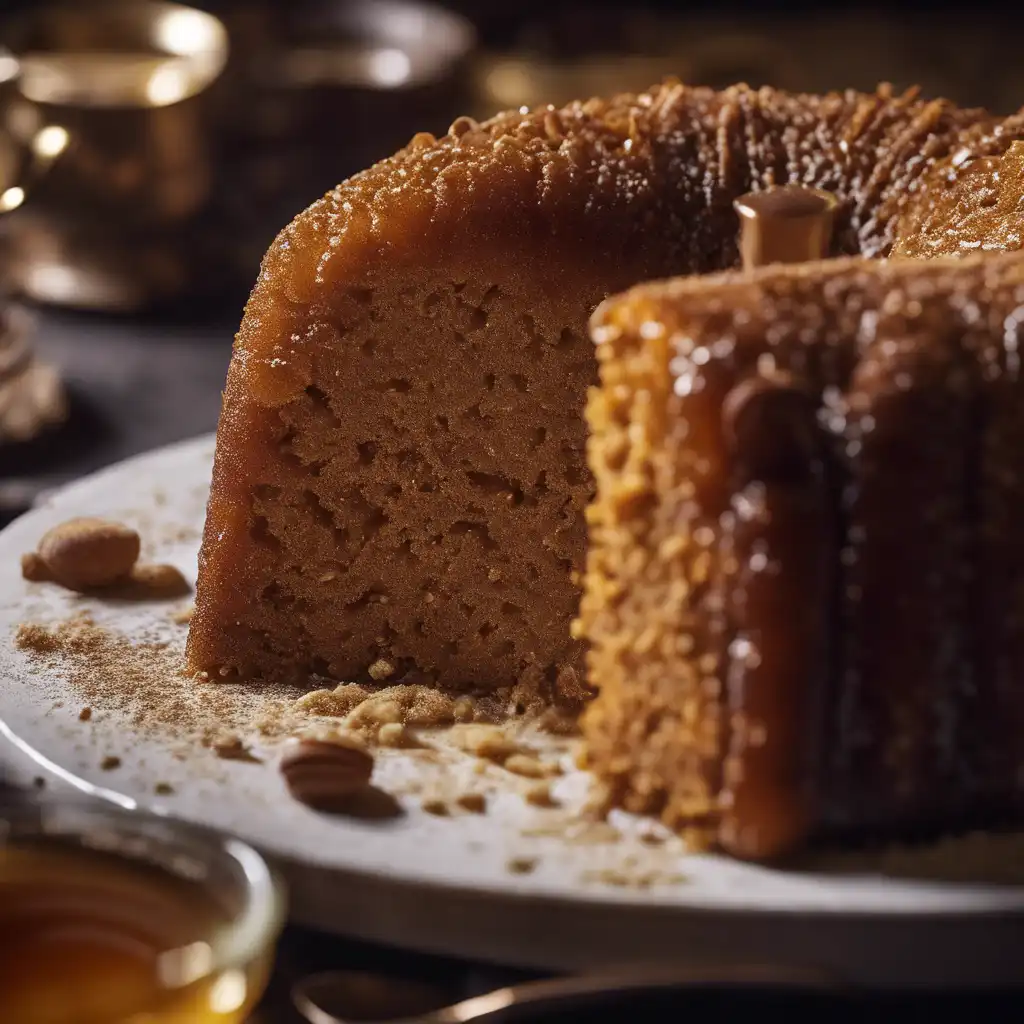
(118, 96)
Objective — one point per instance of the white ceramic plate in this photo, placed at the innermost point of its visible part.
(444, 884)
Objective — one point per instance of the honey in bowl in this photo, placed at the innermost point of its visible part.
(146, 928)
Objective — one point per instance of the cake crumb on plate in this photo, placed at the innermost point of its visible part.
(473, 801)
(522, 865)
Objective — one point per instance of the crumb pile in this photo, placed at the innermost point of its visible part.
(146, 682)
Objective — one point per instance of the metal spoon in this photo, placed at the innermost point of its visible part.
(350, 997)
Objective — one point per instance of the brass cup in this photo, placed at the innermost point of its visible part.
(127, 82)
(121, 92)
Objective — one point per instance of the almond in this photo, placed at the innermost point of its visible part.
(85, 553)
(33, 568)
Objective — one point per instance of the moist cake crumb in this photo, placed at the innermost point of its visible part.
(539, 795)
(473, 801)
(463, 710)
(650, 838)
(365, 708)
(39, 639)
(146, 682)
(521, 865)
(575, 831)
(85, 714)
(336, 703)
(435, 805)
(395, 734)
(110, 762)
(529, 767)
(231, 747)
(112, 673)
(381, 669)
(625, 878)
(375, 712)
(600, 798)
(487, 742)
(410, 705)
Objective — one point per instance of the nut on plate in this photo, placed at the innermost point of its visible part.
(160, 580)
(86, 552)
(325, 773)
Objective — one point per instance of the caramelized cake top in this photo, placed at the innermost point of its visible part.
(667, 162)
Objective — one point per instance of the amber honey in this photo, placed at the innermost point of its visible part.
(100, 937)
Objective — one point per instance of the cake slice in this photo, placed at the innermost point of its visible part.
(804, 593)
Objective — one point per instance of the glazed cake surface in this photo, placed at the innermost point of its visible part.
(805, 584)
(400, 474)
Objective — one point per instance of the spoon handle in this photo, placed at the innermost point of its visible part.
(576, 991)
(314, 994)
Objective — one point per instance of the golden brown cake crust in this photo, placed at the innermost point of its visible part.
(703, 606)
(974, 202)
(400, 471)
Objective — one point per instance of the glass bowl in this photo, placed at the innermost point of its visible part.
(108, 915)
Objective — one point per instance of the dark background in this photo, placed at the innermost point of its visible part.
(140, 381)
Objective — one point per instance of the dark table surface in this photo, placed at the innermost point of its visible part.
(140, 384)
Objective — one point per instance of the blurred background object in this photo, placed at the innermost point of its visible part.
(579, 50)
(150, 151)
(188, 139)
(123, 91)
(143, 918)
(192, 134)
(32, 397)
